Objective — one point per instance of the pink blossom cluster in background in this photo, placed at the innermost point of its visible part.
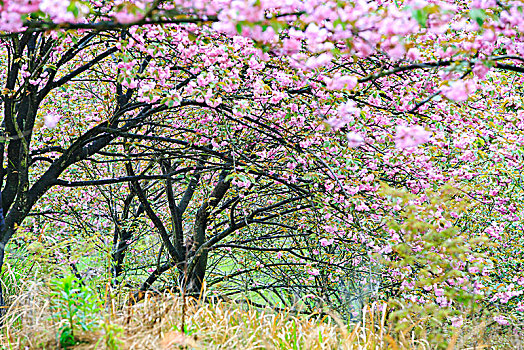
(411, 136)
(12, 11)
(51, 120)
(459, 90)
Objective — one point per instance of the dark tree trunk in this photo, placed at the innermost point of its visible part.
(195, 281)
(121, 242)
(3, 234)
(2, 302)
(195, 278)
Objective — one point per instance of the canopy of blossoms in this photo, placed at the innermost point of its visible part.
(412, 108)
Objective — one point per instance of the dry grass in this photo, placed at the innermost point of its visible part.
(155, 322)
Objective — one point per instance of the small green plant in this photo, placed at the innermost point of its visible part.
(111, 334)
(74, 305)
(188, 329)
(66, 337)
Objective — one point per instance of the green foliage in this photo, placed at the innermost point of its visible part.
(112, 333)
(188, 329)
(431, 254)
(66, 337)
(75, 306)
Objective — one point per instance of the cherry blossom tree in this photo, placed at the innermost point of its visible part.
(423, 96)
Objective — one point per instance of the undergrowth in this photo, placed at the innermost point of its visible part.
(67, 314)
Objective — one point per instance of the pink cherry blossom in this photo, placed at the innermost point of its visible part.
(501, 320)
(346, 113)
(127, 17)
(480, 70)
(413, 54)
(459, 90)
(324, 242)
(314, 272)
(51, 120)
(354, 139)
(411, 136)
(340, 82)
(57, 9)
(457, 321)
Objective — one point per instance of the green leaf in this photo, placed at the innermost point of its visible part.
(191, 36)
(421, 16)
(478, 15)
(73, 8)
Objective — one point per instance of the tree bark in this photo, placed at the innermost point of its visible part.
(3, 234)
(194, 277)
(122, 238)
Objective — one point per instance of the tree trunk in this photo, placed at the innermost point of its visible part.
(2, 302)
(195, 281)
(3, 242)
(121, 239)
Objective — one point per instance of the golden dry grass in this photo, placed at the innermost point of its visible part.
(155, 322)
